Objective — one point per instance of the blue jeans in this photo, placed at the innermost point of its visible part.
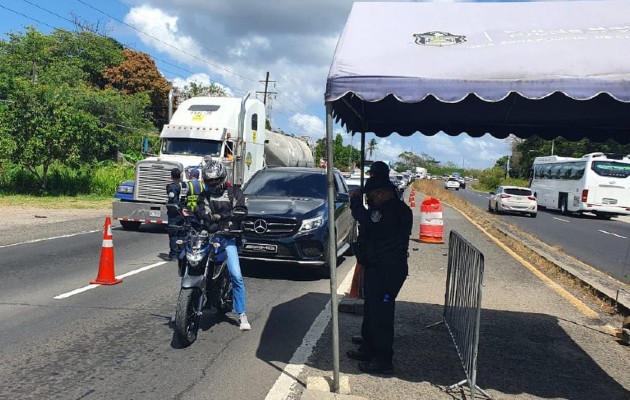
(238, 285)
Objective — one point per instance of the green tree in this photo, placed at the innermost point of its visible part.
(194, 89)
(44, 124)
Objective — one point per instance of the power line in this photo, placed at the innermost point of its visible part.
(72, 22)
(167, 44)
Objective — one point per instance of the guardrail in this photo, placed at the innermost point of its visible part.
(462, 306)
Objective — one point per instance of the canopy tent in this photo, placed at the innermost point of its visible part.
(534, 68)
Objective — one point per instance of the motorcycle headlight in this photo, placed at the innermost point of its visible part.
(125, 189)
(194, 258)
(312, 224)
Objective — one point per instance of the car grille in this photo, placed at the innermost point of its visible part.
(152, 179)
(273, 227)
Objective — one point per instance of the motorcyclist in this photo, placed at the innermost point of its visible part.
(214, 207)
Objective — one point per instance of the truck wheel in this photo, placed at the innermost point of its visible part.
(130, 225)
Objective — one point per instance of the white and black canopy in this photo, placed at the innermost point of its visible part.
(534, 68)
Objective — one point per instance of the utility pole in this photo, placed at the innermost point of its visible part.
(266, 92)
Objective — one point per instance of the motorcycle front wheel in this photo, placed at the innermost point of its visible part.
(186, 318)
(225, 302)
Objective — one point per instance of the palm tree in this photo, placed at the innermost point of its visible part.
(372, 146)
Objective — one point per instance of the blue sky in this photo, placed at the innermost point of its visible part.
(235, 43)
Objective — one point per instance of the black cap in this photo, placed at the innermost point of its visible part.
(176, 173)
(380, 169)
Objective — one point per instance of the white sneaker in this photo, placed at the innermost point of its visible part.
(243, 323)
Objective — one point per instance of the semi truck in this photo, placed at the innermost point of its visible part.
(228, 129)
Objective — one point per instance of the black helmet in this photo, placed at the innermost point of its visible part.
(214, 174)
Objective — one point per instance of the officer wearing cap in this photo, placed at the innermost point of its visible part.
(177, 192)
(384, 230)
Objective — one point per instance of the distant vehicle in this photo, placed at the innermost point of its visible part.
(597, 182)
(513, 199)
(421, 173)
(354, 182)
(287, 219)
(451, 183)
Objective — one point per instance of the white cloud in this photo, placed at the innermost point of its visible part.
(160, 31)
(310, 125)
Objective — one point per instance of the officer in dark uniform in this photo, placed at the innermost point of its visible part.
(177, 192)
(384, 230)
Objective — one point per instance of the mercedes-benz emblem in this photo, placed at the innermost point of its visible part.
(260, 226)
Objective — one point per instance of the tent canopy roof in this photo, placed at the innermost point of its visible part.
(534, 68)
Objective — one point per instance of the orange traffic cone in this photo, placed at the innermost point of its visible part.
(412, 200)
(356, 288)
(106, 274)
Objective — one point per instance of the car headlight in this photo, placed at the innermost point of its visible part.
(311, 224)
(125, 189)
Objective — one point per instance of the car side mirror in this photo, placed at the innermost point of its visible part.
(342, 197)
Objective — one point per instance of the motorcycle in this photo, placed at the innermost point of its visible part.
(205, 279)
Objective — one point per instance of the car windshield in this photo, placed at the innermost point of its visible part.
(289, 184)
(518, 192)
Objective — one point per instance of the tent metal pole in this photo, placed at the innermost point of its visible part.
(362, 159)
(332, 246)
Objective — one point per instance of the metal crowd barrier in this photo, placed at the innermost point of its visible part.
(462, 306)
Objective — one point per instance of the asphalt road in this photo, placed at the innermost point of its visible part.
(603, 244)
(116, 342)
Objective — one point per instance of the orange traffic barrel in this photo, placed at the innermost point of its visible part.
(431, 222)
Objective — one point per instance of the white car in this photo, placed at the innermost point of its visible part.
(451, 183)
(513, 199)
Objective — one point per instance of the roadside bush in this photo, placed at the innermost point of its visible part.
(98, 180)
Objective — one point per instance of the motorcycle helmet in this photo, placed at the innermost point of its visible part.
(214, 174)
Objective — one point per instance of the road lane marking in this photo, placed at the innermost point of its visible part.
(92, 286)
(610, 233)
(561, 220)
(282, 387)
(50, 238)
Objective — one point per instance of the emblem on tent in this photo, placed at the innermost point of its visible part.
(437, 38)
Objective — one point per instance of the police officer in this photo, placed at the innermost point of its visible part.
(384, 230)
(195, 187)
(177, 192)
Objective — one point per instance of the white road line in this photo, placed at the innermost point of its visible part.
(289, 375)
(561, 220)
(50, 238)
(614, 234)
(92, 286)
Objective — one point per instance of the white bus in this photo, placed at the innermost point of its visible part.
(597, 183)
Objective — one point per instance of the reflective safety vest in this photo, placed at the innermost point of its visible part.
(194, 189)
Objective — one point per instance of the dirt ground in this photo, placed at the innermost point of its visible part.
(14, 216)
